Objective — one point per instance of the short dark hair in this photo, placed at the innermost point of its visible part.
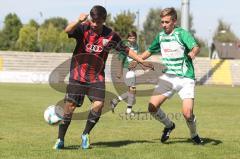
(132, 33)
(98, 11)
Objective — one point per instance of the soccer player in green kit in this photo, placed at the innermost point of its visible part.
(128, 75)
(178, 48)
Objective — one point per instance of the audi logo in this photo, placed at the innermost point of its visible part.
(95, 48)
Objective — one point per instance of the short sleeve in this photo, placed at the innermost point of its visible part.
(77, 33)
(155, 46)
(188, 39)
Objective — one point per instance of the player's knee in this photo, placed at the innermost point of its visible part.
(152, 108)
(97, 106)
(189, 117)
(70, 107)
(132, 89)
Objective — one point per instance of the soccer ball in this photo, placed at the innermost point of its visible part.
(53, 114)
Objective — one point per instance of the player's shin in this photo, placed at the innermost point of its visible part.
(63, 126)
(123, 96)
(159, 115)
(93, 118)
(131, 101)
(191, 123)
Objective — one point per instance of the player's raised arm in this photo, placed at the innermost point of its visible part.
(71, 26)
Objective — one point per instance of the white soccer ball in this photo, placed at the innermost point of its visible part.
(53, 114)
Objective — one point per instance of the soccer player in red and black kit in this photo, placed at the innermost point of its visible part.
(93, 43)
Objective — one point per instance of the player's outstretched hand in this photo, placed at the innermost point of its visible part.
(147, 66)
(132, 65)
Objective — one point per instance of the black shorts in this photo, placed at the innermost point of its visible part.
(77, 90)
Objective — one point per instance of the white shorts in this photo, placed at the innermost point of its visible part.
(129, 77)
(169, 84)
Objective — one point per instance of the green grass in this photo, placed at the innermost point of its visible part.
(25, 135)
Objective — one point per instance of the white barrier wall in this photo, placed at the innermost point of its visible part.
(27, 67)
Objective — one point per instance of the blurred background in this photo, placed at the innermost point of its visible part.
(28, 28)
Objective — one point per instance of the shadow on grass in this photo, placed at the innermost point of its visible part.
(72, 147)
(119, 143)
(110, 144)
(187, 140)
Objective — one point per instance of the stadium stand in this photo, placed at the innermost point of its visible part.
(221, 50)
(27, 67)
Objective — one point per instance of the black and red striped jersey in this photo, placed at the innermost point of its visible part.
(91, 52)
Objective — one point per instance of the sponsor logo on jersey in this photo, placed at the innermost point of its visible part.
(105, 42)
(168, 38)
(169, 50)
(94, 48)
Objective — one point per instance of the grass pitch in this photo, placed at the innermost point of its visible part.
(25, 135)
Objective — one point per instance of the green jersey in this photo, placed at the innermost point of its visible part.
(174, 49)
(126, 60)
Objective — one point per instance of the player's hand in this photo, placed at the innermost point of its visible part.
(147, 66)
(132, 65)
(82, 17)
(192, 55)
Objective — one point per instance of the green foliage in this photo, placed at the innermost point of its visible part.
(58, 22)
(151, 26)
(33, 23)
(2, 41)
(142, 42)
(66, 44)
(27, 40)
(224, 33)
(52, 40)
(49, 38)
(12, 26)
(124, 23)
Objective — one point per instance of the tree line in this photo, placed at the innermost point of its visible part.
(50, 36)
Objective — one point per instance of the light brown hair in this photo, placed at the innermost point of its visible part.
(169, 12)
